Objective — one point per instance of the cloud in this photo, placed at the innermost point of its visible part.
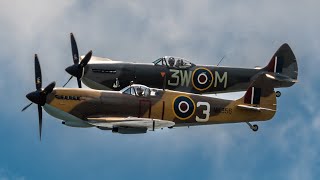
(297, 139)
(248, 33)
(6, 175)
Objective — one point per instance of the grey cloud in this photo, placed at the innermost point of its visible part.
(248, 32)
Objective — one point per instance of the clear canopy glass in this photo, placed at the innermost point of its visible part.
(173, 62)
(139, 90)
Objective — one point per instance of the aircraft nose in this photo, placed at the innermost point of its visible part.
(33, 97)
(37, 98)
(74, 70)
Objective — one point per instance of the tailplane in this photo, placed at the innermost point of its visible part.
(259, 97)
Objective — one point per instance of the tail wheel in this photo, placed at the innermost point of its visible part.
(278, 94)
(255, 127)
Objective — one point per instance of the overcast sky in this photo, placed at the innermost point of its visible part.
(246, 32)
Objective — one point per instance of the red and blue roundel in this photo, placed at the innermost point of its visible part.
(183, 107)
(202, 79)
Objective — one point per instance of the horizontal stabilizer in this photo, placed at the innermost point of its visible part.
(281, 77)
(259, 101)
(254, 108)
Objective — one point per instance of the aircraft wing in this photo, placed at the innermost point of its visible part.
(133, 122)
(253, 108)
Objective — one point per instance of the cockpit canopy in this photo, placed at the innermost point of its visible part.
(173, 62)
(140, 90)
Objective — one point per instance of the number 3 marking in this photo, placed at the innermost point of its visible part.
(206, 111)
(175, 76)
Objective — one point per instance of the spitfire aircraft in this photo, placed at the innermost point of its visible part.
(178, 74)
(138, 108)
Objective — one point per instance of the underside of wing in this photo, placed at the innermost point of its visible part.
(130, 122)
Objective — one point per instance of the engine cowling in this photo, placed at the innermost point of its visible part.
(129, 130)
(76, 124)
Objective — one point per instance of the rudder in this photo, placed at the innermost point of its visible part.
(260, 96)
(283, 65)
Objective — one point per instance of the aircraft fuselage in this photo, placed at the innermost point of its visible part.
(114, 75)
(184, 109)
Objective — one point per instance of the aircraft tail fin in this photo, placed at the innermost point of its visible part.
(260, 96)
(283, 66)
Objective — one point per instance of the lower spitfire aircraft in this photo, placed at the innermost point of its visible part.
(138, 108)
(178, 74)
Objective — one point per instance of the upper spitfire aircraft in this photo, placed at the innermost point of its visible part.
(178, 74)
(138, 108)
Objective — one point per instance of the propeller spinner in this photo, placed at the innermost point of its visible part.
(76, 70)
(39, 96)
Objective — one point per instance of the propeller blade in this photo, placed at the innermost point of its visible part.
(38, 77)
(67, 81)
(74, 47)
(26, 107)
(86, 59)
(79, 82)
(49, 88)
(40, 120)
(76, 69)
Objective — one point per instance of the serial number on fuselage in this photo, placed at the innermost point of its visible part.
(222, 110)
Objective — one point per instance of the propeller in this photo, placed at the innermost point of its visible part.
(76, 70)
(39, 96)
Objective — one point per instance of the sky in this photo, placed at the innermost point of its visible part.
(246, 32)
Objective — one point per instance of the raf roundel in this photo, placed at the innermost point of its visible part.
(183, 107)
(202, 79)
